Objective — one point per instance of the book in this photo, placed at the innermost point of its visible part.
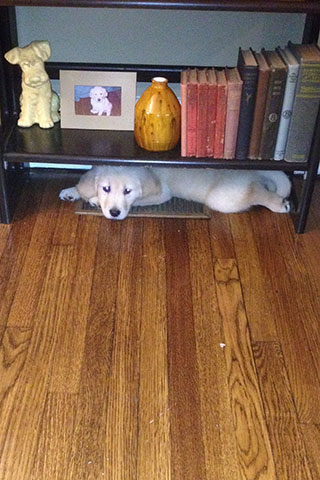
(212, 111)
(221, 113)
(234, 90)
(306, 103)
(183, 97)
(248, 69)
(202, 114)
(272, 113)
(192, 101)
(288, 99)
(261, 97)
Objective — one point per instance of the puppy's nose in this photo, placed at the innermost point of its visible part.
(114, 212)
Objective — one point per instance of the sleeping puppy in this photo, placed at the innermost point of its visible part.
(116, 189)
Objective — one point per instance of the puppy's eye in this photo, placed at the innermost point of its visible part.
(126, 191)
(106, 189)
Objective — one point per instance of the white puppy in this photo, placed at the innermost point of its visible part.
(116, 189)
(99, 101)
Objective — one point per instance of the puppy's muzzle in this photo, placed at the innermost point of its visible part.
(114, 212)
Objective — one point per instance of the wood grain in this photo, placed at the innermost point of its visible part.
(253, 444)
(21, 413)
(22, 312)
(295, 304)
(288, 448)
(216, 415)
(256, 281)
(311, 436)
(55, 440)
(89, 437)
(184, 396)
(68, 352)
(154, 452)
(123, 397)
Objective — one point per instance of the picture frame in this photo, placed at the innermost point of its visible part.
(97, 100)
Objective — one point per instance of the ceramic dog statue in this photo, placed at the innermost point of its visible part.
(39, 104)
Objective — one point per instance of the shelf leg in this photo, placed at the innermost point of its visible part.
(309, 181)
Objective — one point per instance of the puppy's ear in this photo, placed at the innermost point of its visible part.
(150, 184)
(42, 49)
(13, 56)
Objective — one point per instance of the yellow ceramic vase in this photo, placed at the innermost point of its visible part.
(157, 123)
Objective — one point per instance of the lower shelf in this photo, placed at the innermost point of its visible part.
(90, 147)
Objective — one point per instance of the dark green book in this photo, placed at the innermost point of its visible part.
(248, 69)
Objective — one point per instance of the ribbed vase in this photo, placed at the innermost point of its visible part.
(157, 123)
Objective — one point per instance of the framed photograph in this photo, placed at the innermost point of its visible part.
(97, 100)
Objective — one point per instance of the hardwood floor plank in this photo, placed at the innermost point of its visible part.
(68, 353)
(13, 256)
(286, 439)
(4, 233)
(89, 438)
(21, 411)
(123, 398)
(218, 433)
(154, 419)
(36, 260)
(296, 309)
(52, 457)
(253, 444)
(221, 237)
(14, 344)
(184, 398)
(256, 282)
(311, 436)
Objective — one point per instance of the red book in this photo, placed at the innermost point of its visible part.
(234, 89)
(212, 111)
(221, 113)
(192, 100)
(183, 96)
(202, 114)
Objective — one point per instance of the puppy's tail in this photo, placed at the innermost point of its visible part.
(277, 182)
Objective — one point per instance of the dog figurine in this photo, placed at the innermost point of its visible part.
(99, 101)
(39, 104)
(116, 189)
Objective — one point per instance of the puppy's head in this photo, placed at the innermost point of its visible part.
(117, 190)
(98, 93)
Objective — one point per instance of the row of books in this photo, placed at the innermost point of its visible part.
(263, 108)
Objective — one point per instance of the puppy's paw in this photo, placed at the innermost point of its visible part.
(286, 205)
(94, 202)
(69, 194)
(46, 124)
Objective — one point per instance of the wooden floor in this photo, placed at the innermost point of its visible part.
(157, 349)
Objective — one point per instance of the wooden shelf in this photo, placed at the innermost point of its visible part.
(58, 145)
(297, 6)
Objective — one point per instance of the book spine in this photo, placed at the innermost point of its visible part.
(183, 96)
(259, 109)
(304, 114)
(192, 100)
(286, 112)
(202, 120)
(249, 77)
(212, 118)
(272, 113)
(220, 122)
(232, 119)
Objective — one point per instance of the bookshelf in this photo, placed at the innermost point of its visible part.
(56, 145)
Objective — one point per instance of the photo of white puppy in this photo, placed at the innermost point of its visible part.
(116, 189)
(99, 101)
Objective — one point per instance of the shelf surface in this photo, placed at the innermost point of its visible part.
(90, 147)
(295, 6)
